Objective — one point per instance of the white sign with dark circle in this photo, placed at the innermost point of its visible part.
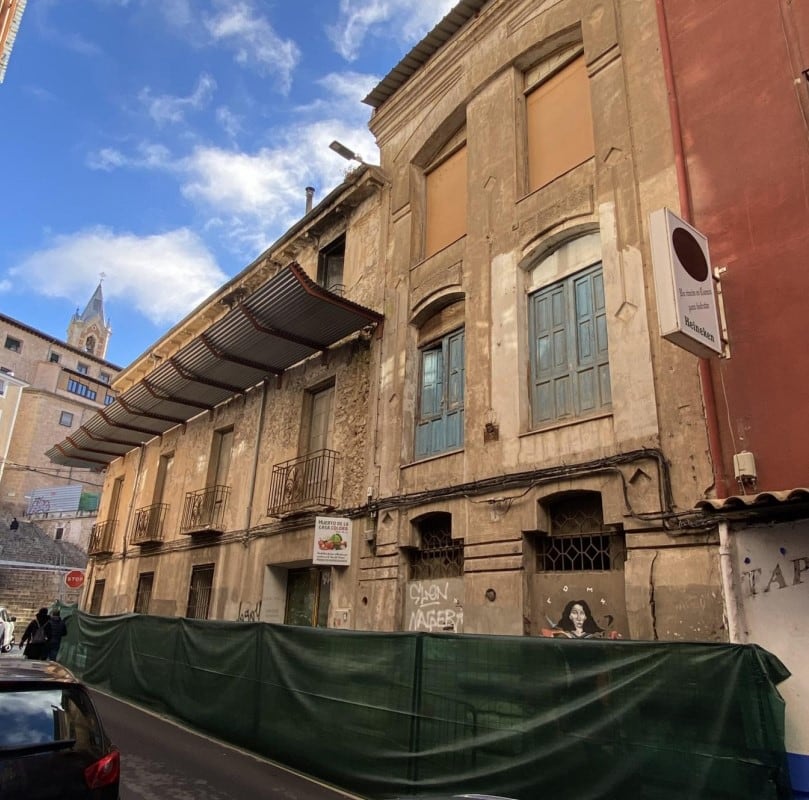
(684, 283)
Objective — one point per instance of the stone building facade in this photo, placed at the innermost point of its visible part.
(65, 383)
(518, 450)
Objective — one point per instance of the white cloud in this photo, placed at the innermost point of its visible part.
(250, 198)
(255, 42)
(5, 285)
(402, 21)
(162, 276)
(168, 108)
(231, 123)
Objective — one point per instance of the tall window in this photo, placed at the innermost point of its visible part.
(115, 499)
(330, 266)
(199, 592)
(559, 124)
(164, 469)
(143, 595)
(97, 597)
(445, 203)
(440, 422)
(219, 465)
(570, 373)
(321, 420)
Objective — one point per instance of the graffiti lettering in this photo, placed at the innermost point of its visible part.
(39, 505)
(434, 606)
(429, 594)
(248, 614)
(436, 619)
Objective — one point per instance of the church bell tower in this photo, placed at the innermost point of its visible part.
(90, 331)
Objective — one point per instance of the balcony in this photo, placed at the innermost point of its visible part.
(204, 510)
(303, 484)
(148, 526)
(102, 537)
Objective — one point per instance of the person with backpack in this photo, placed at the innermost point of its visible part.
(36, 638)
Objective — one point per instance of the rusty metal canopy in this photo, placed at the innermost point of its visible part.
(280, 324)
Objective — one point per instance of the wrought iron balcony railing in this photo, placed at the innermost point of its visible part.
(102, 537)
(148, 525)
(204, 510)
(303, 483)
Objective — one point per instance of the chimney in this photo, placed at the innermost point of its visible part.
(310, 193)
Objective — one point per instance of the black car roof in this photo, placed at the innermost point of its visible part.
(19, 671)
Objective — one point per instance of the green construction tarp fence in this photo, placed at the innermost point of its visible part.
(409, 714)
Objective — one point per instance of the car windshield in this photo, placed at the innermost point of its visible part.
(49, 717)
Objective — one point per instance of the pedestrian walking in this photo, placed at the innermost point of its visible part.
(14, 524)
(36, 636)
(58, 630)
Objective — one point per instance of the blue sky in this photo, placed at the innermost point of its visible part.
(167, 143)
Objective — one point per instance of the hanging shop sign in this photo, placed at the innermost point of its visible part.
(332, 543)
(685, 286)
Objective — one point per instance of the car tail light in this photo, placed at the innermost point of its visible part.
(104, 772)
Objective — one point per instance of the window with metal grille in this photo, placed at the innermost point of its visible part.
(440, 556)
(143, 595)
(97, 598)
(579, 541)
(199, 592)
(15, 345)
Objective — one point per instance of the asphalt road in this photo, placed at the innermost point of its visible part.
(161, 760)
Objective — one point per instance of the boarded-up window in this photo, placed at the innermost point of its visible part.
(446, 203)
(559, 125)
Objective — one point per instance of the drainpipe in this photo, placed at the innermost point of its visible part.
(683, 186)
(728, 585)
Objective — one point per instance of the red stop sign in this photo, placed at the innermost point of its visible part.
(74, 579)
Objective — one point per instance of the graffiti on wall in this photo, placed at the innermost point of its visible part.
(249, 613)
(577, 622)
(434, 606)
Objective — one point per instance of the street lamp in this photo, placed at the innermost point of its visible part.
(345, 152)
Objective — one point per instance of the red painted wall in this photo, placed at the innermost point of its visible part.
(737, 71)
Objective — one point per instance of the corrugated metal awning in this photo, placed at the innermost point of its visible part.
(793, 503)
(283, 322)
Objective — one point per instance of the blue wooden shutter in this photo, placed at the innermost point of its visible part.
(592, 355)
(551, 396)
(455, 390)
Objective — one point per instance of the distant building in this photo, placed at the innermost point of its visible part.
(10, 15)
(49, 389)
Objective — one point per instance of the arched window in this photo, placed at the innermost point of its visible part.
(567, 317)
(90, 344)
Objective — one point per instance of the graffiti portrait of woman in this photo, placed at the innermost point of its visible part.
(577, 622)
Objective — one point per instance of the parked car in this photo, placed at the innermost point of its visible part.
(6, 630)
(52, 741)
